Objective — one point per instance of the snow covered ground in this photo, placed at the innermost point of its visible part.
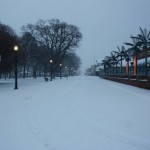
(79, 113)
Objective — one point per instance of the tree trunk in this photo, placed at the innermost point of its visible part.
(135, 64)
(34, 72)
(121, 66)
(44, 70)
(24, 70)
(27, 71)
(104, 69)
(145, 60)
(5, 76)
(113, 68)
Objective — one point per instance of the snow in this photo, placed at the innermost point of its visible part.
(78, 113)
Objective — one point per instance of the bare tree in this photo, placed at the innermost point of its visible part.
(8, 39)
(32, 54)
(55, 37)
(72, 61)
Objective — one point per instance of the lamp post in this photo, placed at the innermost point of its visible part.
(16, 59)
(60, 70)
(0, 66)
(148, 69)
(51, 61)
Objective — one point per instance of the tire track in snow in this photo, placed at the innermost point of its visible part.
(104, 130)
(50, 134)
(47, 137)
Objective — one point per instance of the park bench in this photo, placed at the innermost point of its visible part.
(46, 79)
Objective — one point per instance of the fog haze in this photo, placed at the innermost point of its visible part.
(105, 24)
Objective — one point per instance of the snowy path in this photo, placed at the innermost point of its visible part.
(81, 113)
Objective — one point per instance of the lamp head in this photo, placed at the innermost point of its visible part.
(16, 48)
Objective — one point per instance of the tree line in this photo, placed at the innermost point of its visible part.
(137, 49)
(39, 43)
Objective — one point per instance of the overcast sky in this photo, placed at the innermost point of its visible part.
(105, 24)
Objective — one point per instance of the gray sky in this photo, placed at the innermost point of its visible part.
(105, 24)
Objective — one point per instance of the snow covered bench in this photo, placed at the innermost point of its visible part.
(46, 79)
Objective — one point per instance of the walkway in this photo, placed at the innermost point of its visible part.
(81, 113)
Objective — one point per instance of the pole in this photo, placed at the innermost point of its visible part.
(51, 66)
(51, 73)
(60, 72)
(16, 82)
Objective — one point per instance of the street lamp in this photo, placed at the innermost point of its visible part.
(66, 71)
(60, 70)
(0, 66)
(51, 62)
(16, 59)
